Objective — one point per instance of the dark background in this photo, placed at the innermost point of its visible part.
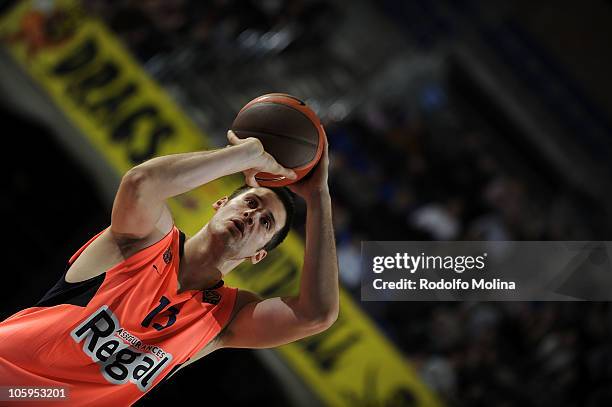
(447, 120)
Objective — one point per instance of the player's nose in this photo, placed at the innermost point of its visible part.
(248, 217)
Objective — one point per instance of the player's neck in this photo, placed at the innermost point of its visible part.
(203, 263)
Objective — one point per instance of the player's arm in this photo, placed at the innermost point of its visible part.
(277, 321)
(139, 208)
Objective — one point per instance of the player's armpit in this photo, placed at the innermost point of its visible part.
(270, 322)
(209, 348)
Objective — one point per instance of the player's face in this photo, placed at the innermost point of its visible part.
(248, 221)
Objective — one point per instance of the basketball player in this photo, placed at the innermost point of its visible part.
(140, 301)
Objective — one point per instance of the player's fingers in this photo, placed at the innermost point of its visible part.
(232, 138)
(273, 167)
(285, 172)
(251, 181)
(326, 151)
(291, 174)
(323, 164)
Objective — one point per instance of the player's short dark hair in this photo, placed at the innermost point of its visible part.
(288, 199)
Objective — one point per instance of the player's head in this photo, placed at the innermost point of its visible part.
(254, 220)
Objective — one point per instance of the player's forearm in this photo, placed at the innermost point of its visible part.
(319, 296)
(172, 175)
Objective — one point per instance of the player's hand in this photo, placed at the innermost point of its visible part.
(260, 160)
(316, 180)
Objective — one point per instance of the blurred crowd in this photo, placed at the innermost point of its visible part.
(221, 31)
(421, 167)
(510, 354)
(435, 175)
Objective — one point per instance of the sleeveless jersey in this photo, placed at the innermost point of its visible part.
(112, 338)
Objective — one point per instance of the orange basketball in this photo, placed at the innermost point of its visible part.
(288, 129)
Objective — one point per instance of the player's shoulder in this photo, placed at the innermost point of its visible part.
(243, 297)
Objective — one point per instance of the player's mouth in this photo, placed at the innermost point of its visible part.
(239, 225)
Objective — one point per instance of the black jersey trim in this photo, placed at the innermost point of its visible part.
(79, 293)
(82, 292)
(181, 244)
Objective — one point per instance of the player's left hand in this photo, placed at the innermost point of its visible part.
(259, 161)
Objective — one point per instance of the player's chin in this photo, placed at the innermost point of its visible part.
(224, 235)
(233, 231)
(233, 240)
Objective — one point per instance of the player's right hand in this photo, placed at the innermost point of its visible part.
(260, 160)
(315, 181)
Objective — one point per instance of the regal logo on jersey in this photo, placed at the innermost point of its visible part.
(104, 342)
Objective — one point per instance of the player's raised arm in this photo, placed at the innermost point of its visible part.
(277, 321)
(139, 206)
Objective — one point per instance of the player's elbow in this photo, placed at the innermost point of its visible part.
(138, 183)
(321, 320)
(135, 179)
(328, 319)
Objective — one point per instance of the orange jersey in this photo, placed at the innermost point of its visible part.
(112, 338)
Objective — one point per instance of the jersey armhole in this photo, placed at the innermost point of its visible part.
(224, 318)
(64, 292)
(80, 293)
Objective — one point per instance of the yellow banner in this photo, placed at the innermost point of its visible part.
(128, 118)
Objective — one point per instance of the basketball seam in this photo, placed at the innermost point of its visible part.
(308, 118)
(301, 163)
(268, 133)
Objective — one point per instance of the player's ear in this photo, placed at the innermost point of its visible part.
(259, 256)
(220, 203)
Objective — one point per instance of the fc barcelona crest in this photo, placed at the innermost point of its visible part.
(168, 256)
(211, 297)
